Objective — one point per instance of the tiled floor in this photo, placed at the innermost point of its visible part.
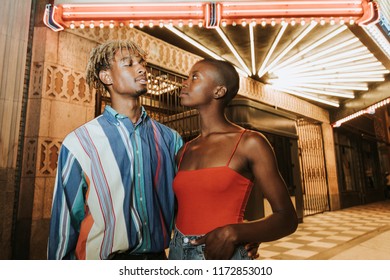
(360, 232)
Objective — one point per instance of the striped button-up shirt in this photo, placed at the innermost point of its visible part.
(113, 189)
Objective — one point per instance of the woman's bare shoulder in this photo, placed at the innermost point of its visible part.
(256, 144)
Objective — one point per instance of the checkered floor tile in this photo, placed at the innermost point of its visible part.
(322, 232)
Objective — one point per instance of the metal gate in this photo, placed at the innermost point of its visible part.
(313, 170)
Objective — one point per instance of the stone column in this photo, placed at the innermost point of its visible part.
(14, 33)
(331, 166)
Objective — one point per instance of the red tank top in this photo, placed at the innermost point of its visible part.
(210, 197)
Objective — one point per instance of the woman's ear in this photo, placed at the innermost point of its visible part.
(220, 91)
(105, 77)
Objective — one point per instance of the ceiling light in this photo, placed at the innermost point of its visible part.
(201, 47)
(371, 109)
(312, 46)
(233, 50)
(289, 47)
(252, 45)
(379, 38)
(261, 71)
(308, 96)
(323, 92)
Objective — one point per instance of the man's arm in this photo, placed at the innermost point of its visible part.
(67, 207)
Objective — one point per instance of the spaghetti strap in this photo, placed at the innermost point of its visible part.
(182, 155)
(235, 148)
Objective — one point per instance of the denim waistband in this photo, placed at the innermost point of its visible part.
(184, 240)
(181, 248)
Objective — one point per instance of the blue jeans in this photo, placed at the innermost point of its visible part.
(180, 248)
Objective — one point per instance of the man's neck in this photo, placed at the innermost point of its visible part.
(130, 108)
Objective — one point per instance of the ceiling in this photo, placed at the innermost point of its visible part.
(324, 64)
(329, 61)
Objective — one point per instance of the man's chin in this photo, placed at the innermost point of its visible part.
(141, 91)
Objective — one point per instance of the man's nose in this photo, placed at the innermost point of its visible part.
(141, 69)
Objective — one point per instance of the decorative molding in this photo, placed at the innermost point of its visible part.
(30, 156)
(36, 80)
(65, 84)
(48, 156)
(160, 53)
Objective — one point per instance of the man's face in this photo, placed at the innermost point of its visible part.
(128, 74)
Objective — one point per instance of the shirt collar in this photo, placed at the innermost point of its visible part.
(114, 117)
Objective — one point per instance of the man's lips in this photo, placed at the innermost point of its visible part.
(142, 80)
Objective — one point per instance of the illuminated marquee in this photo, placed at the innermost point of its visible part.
(208, 14)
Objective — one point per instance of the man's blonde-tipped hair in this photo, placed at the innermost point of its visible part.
(101, 57)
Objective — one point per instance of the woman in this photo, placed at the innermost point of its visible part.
(216, 172)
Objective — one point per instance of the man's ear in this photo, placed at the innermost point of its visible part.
(220, 91)
(105, 77)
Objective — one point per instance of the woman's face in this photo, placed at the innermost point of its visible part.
(200, 86)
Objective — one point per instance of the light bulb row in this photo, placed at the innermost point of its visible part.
(370, 110)
(201, 23)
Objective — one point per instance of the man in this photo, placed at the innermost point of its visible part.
(113, 195)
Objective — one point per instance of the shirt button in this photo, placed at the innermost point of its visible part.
(185, 240)
(139, 174)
